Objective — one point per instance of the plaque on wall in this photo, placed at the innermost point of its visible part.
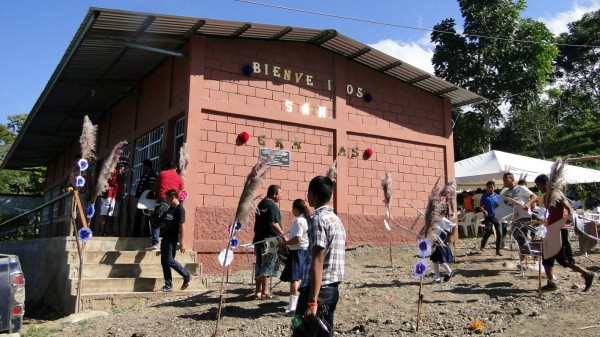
(278, 157)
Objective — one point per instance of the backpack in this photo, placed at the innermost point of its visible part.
(159, 214)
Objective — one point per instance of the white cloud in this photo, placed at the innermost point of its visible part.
(416, 54)
(558, 23)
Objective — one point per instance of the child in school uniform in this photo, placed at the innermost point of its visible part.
(442, 253)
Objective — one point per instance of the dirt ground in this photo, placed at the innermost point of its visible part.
(376, 301)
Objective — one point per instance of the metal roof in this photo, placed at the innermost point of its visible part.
(113, 51)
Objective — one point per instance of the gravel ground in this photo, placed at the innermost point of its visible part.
(375, 301)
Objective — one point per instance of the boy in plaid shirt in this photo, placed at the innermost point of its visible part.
(324, 265)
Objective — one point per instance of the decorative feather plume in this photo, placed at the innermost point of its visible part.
(441, 199)
(332, 172)
(432, 212)
(87, 140)
(386, 184)
(556, 182)
(522, 177)
(249, 197)
(108, 167)
(184, 159)
(448, 193)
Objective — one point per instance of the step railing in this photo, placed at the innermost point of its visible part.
(51, 219)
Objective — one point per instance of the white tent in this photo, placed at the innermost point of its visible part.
(476, 171)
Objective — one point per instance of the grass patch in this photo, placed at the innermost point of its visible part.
(38, 331)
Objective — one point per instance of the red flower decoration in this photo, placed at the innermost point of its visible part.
(368, 153)
(243, 137)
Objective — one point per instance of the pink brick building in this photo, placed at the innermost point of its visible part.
(317, 94)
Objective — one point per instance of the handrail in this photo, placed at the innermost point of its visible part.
(60, 197)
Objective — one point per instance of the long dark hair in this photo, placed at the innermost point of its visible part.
(300, 205)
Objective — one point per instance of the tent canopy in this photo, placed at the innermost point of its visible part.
(476, 171)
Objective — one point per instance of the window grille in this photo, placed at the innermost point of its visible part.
(178, 140)
(146, 147)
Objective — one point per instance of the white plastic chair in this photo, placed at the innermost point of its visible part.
(478, 222)
(466, 222)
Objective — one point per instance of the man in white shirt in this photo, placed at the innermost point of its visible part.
(521, 198)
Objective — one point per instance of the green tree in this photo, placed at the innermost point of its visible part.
(17, 181)
(501, 69)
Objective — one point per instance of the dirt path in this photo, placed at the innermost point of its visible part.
(377, 302)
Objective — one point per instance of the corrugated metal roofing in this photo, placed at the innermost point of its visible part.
(115, 50)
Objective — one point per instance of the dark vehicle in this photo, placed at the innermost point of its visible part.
(12, 295)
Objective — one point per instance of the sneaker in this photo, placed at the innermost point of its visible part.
(154, 247)
(266, 296)
(290, 312)
(498, 253)
(186, 283)
(165, 289)
(589, 280)
(448, 276)
(550, 287)
(438, 280)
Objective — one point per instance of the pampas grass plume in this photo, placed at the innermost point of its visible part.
(108, 167)
(87, 140)
(184, 159)
(332, 171)
(249, 197)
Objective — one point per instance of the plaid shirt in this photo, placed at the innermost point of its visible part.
(326, 231)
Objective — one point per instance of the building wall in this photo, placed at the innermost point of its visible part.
(407, 128)
(158, 100)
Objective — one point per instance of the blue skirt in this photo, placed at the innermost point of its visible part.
(293, 266)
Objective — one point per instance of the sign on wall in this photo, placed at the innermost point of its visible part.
(278, 157)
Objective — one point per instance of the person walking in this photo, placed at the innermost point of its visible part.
(173, 232)
(556, 212)
(489, 203)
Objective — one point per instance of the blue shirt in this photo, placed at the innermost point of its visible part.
(488, 202)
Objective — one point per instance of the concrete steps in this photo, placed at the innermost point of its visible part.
(120, 272)
(123, 270)
(124, 285)
(116, 257)
(127, 300)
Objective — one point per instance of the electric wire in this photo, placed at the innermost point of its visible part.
(305, 11)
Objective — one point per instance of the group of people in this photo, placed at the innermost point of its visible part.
(520, 200)
(166, 187)
(314, 266)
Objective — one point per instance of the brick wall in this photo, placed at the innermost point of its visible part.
(405, 126)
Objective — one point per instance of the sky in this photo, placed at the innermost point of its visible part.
(36, 33)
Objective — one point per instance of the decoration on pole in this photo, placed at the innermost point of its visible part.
(108, 168)
(246, 206)
(184, 160)
(332, 171)
(420, 270)
(87, 141)
(84, 234)
(386, 184)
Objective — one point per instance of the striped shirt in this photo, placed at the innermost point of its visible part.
(326, 231)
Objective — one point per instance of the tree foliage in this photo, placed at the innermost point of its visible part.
(500, 69)
(17, 181)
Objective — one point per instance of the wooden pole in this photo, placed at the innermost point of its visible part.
(420, 304)
(225, 270)
(80, 248)
(391, 258)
